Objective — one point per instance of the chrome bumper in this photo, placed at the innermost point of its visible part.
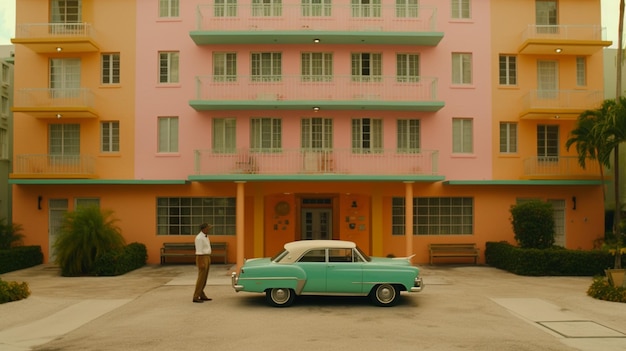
(234, 280)
(418, 286)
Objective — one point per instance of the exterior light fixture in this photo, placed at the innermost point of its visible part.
(354, 204)
(59, 115)
(557, 117)
(558, 50)
(59, 49)
(316, 40)
(315, 109)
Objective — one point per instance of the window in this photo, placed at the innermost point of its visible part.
(508, 137)
(407, 8)
(462, 136)
(266, 67)
(111, 68)
(4, 143)
(366, 67)
(508, 70)
(461, 9)
(224, 135)
(435, 216)
(317, 66)
(408, 135)
(316, 8)
(65, 78)
(581, 71)
(64, 139)
(267, 8)
(110, 136)
(407, 67)
(265, 134)
(5, 79)
(168, 134)
(546, 16)
(168, 67)
(66, 11)
(225, 8)
(4, 107)
(86, 202)
(183, 215)
(367, 135)
(548, 142)
(461, 68)
(315, 255)
(169, 8)
(366, 8)
(225, 67)
(317, 133)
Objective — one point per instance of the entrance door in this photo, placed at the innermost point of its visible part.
(57, 209)
(559, 221)
(316, 224)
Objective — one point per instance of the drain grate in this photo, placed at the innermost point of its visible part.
(581, 329)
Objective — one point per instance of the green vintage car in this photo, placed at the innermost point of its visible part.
(327, 267)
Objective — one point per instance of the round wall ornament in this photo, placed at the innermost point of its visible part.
(282, 208)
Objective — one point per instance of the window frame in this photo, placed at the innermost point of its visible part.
(435, 216)
(266, 69)
(462, 129)
(169, 67)
(367, 135)
(169, 8)
(407, 68)
(366, 66)
(176, 216)
(462, 70)
(316, 133)
(168, 138)
(408, 135)
(224, 140)
(507, 68)
(316, 66)
(508, 137)
(111, 68)
(225, 66)
(265, 134)
(110, 136)
(461, 9)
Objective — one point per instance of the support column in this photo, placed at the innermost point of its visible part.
(408, 217)
(239, 214)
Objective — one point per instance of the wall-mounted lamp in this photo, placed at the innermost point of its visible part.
(315, 109)
(59, 115)
(59, 49)
(354, 204)
(316, 40)
(39, 199)
(558, 50)
(573, 202)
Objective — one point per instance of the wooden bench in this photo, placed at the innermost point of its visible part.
(218, 249)
(453, 250)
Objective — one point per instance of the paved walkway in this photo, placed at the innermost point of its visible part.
(59, 306)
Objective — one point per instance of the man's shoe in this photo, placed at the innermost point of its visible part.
(198, 300)
(206, 298)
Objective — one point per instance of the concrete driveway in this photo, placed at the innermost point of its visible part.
(461, 308)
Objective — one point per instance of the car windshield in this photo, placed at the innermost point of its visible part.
(279, 256)
(365, 256)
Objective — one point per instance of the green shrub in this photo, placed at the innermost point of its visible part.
(85, 235)
(533, 224)
(10, 235)
(117, 262)
(601, 289)
(547, 262)
(13, 291)
(20, 257)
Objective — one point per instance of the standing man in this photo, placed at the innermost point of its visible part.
(203, 262)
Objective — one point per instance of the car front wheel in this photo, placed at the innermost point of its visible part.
(280, 297)
(385, 295)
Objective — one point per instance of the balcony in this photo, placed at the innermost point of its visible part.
(47, 166)
(299, 162)
(559, 167)
(559, 104)
(312, 23)
(579, 40)
(55, 103)
(51, 38)
(382, 93)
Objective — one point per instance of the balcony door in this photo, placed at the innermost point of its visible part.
(64, 147)
(64, 79)
(547, 79)
(66, 16)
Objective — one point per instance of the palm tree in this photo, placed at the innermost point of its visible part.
(85, 235)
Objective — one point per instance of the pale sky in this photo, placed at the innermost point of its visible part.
(610, 17)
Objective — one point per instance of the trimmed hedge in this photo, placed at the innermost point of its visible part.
(547, 262)
(20, 257)
(118, 262)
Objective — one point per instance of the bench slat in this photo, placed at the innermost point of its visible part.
(453, 250)
(218, 249)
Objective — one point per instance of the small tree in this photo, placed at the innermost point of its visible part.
(10, 235)
(85, 235)
(533, 224)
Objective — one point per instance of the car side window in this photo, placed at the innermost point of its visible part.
(317, 255)
(340, 255)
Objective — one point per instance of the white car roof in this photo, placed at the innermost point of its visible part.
(302, 245)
